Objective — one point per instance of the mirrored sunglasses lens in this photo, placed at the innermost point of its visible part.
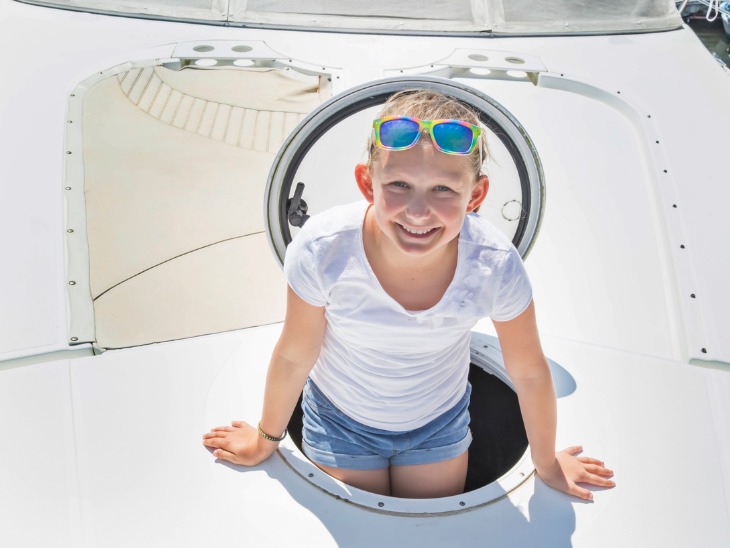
(398, 133)
(453, 137)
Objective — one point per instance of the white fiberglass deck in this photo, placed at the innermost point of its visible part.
(108, 453)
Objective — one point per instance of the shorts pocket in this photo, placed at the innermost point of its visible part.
(317, 401)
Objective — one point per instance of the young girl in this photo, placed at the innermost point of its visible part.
(381, 300)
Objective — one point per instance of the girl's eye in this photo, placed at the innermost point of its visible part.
(442, 188)
(399, 184)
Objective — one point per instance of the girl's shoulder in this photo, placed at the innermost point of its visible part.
(341, 219)
(481, 233)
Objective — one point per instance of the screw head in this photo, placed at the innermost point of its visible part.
(74, 339)
(72, 282)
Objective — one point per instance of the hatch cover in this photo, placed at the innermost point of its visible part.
(314, 169)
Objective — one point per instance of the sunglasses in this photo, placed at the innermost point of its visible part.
(449, 136)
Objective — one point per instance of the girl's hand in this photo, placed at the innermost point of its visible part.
(239, 443)
(567, 470)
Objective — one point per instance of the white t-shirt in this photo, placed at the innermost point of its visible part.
(380, 364)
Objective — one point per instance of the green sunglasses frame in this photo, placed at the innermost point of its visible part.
(427, 125)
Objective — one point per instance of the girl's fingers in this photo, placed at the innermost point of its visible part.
(224, 455)
(581, 492)
(599, 481)
(211, 442)
(599, 470)
(589, 460)
(222, 429)
(215, 434)
(573, 449)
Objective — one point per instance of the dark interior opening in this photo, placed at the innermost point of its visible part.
(496, 426)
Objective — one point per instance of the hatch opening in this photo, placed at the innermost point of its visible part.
(499, 457)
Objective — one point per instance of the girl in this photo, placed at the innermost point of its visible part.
(381, 300)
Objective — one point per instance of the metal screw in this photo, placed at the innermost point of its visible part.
(72, 282)
(704, 350)
(462, 503)
(74, 339)
(68, 152)
(681, 246)
(68, 188)
(310, 475)
(70, 230)
(381, 504)
(693, 295)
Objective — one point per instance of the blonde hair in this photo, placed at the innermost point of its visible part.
(432, 105)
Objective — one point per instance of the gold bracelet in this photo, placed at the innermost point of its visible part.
(270, 438)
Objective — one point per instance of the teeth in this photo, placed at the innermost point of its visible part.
(412, 231)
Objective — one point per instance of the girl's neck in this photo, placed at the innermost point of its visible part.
(381, 249)
(416, 282)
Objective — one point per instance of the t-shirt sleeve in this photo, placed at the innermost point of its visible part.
(300, 270)
(515, 292)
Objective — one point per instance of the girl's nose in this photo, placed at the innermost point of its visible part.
(417, 208)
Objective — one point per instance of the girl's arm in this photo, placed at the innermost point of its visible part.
(528, 369)
(293, 358)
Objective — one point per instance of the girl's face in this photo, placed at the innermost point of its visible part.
(420, 196)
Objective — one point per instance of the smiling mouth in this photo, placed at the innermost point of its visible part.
(416, 232)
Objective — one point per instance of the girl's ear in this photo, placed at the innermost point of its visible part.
(478, 193)
(364, 181)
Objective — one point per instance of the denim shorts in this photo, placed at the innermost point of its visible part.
(331, 438)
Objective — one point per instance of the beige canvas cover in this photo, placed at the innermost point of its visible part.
(175, 167)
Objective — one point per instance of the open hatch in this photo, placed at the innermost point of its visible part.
(166, 166)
